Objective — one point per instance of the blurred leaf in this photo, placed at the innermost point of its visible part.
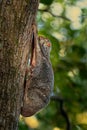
(32, 121)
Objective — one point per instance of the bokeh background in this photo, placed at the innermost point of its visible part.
(64, 23)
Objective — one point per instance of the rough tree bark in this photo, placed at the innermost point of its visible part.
(16, 19)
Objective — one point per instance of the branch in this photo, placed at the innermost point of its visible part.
(47, 10)
(62, 110)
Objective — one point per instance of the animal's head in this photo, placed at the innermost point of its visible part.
(45, 46)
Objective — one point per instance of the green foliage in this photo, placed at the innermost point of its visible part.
(47, 2)
(22, 126)
(69, 61)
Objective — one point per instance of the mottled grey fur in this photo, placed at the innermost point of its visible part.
(40, 83)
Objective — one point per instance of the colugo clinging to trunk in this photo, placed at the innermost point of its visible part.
(39, 79)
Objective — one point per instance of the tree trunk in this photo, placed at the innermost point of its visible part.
(16, 19)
